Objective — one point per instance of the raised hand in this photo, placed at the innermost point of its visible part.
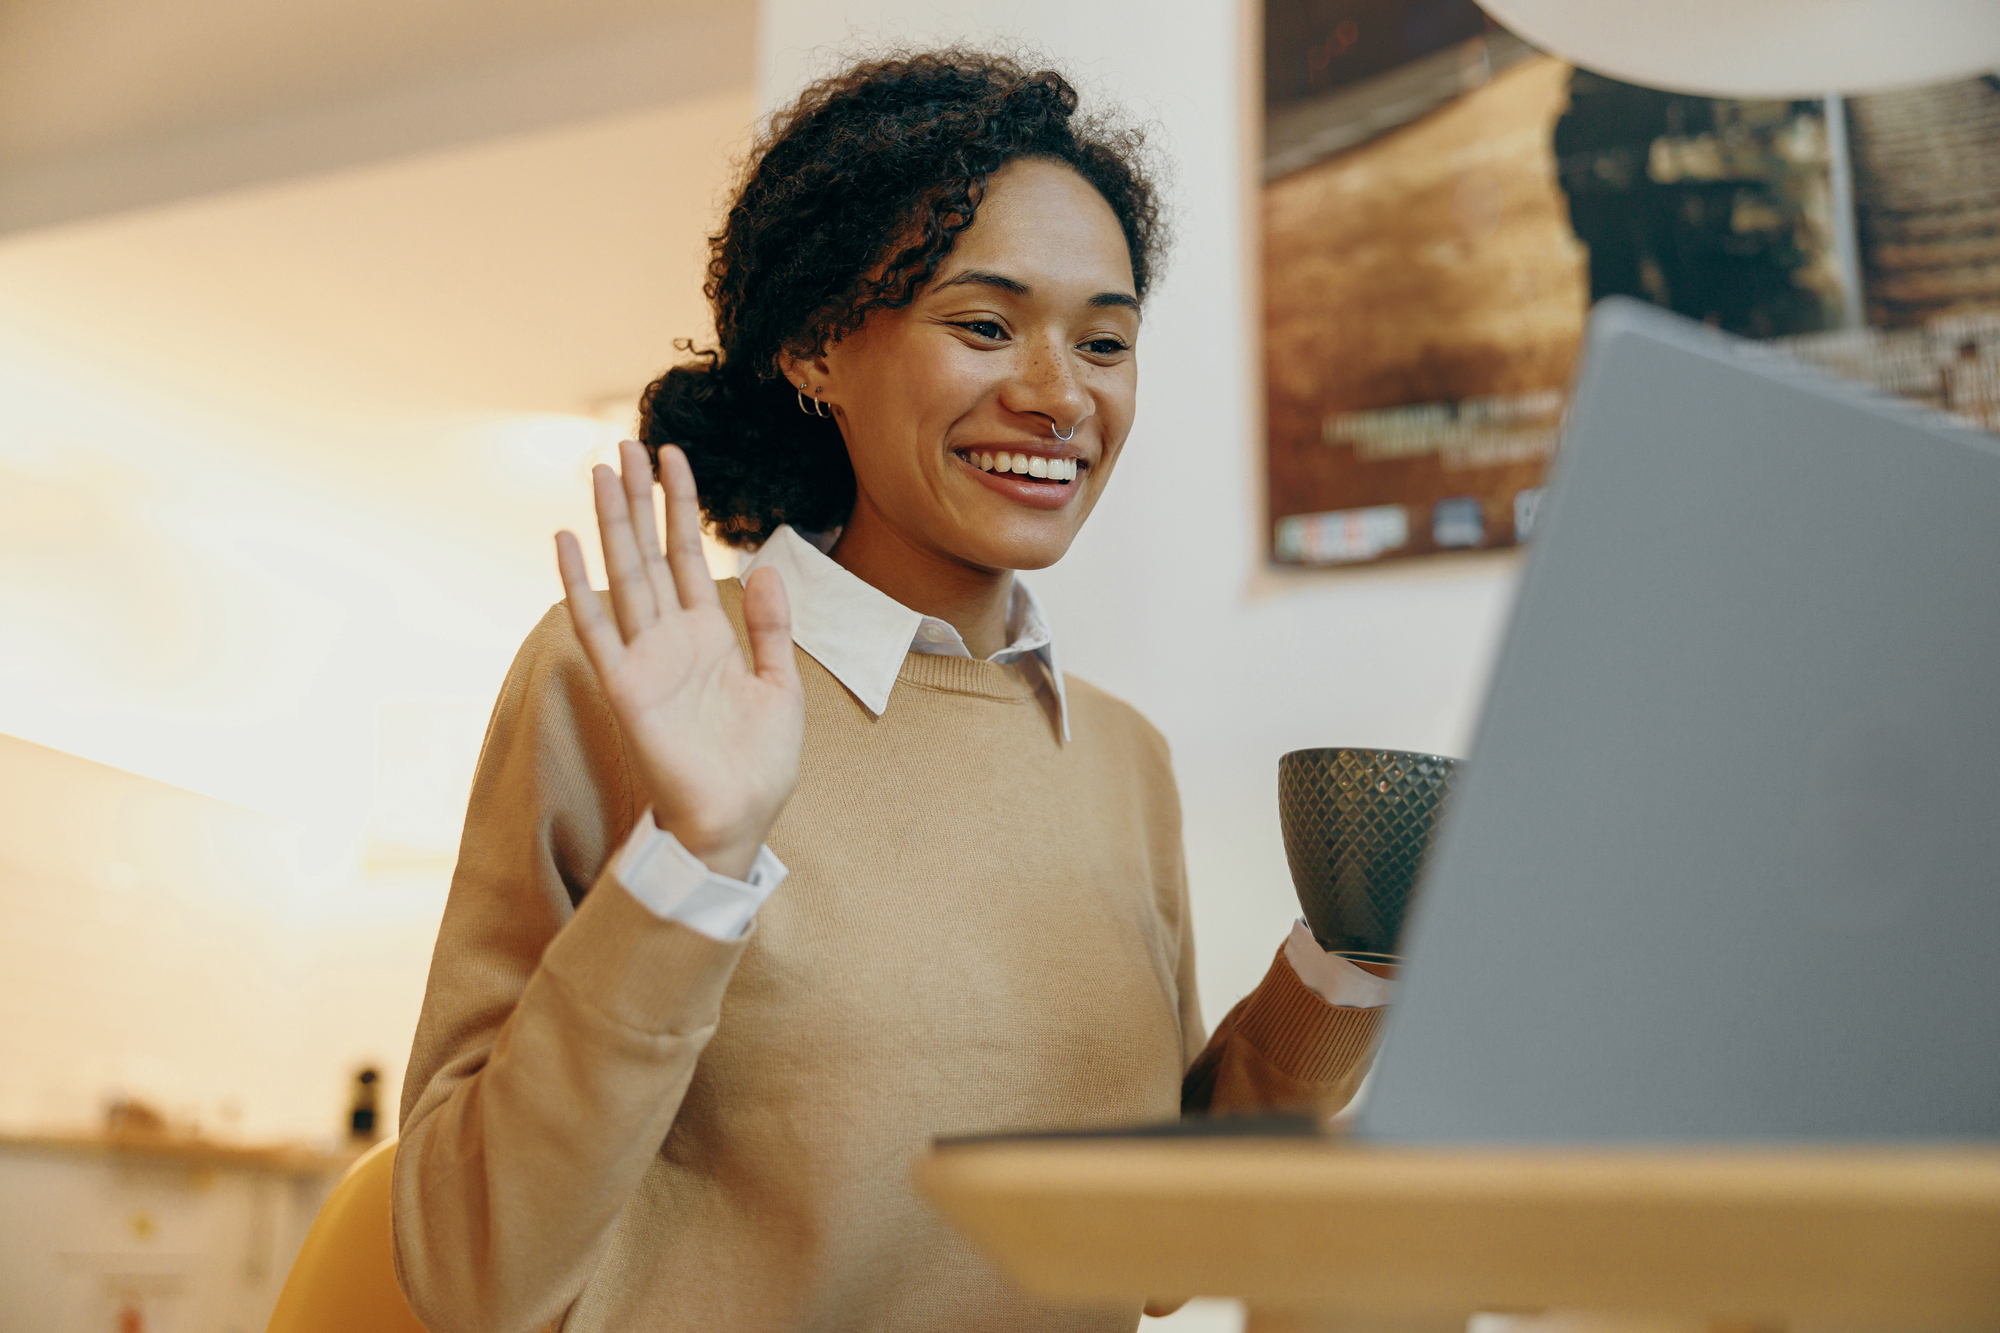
(716, 741)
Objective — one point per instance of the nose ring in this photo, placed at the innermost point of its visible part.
(1059, 435)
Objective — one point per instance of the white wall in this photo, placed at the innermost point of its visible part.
(278, 474)
(1167, 600)
(193, 575)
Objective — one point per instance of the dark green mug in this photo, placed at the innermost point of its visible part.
(1358, 825)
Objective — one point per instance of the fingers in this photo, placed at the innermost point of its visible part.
(767, 616)
(695, 585)
(600, 639)
(624, 563)
(636, 473)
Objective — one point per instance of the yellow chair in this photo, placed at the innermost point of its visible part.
(344, 1280)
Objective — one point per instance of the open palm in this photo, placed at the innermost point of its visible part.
(716, 739)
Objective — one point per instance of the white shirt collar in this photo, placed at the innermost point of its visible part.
(860, 634)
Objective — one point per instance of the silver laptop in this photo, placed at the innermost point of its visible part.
(1725, 862)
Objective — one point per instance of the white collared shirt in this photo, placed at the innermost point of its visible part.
(861, 635)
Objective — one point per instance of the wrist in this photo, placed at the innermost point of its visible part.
(732, 862)
(1339, 981)
(1359, 986)
(723, 851)
(730, 857)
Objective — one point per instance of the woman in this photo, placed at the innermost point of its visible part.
(766, 884)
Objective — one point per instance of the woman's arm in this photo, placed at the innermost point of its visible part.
(1282, 1047)
(563, 1018)
(1286, 1045)
(556, 1041)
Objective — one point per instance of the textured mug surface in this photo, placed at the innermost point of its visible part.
(1358, 825)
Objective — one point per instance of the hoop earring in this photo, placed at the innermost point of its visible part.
(800, 393)
(1059, 435)
(819, 408)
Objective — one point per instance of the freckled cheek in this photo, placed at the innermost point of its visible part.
(1116, 405)
(938, 418)
(964, 379)
(1117, 422)
(908, 409)
(951, 403)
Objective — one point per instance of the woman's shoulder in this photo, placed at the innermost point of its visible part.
(550, 685)
(552, 649)
(1105, 714)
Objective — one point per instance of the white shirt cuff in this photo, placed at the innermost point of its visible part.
(673, 885)
(1330, 976)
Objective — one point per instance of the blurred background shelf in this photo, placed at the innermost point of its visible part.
(282, 1159)
(152, 1233)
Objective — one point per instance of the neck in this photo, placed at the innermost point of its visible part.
(971, 600)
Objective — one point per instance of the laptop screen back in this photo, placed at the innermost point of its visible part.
(1725, 862)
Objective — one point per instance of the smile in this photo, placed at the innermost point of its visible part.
(1060, 470)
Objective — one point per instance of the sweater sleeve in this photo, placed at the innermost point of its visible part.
(561, 1023)
(1282, 1047)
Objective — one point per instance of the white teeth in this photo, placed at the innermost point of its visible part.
(1026, 465)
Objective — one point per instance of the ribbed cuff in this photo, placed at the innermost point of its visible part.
(644, 972)
(1303, 1035)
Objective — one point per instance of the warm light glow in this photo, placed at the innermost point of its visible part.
(321, 643)
(280, 470)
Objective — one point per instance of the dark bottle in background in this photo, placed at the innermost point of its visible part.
(361, 1119)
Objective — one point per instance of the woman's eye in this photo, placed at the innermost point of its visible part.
(983, 328)
(1105, 347)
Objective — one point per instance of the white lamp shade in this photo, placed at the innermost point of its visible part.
(1765, 48)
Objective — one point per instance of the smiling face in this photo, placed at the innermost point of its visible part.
(1026, 333)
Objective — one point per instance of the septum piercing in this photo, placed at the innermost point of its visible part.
(1059, 435)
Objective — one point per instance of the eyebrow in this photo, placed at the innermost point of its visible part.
(985, 278)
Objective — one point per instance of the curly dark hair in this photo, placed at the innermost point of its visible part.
(850, 201)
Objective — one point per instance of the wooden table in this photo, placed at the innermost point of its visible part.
(1321, 1235)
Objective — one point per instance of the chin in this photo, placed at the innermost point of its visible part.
(1028, 550)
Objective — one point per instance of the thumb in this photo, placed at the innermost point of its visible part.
(767, 616)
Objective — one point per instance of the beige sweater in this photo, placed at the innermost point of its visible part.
(613, 1122)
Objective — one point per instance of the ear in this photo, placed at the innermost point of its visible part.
(812, 372)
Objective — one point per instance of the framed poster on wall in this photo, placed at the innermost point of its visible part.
(1442, 203)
